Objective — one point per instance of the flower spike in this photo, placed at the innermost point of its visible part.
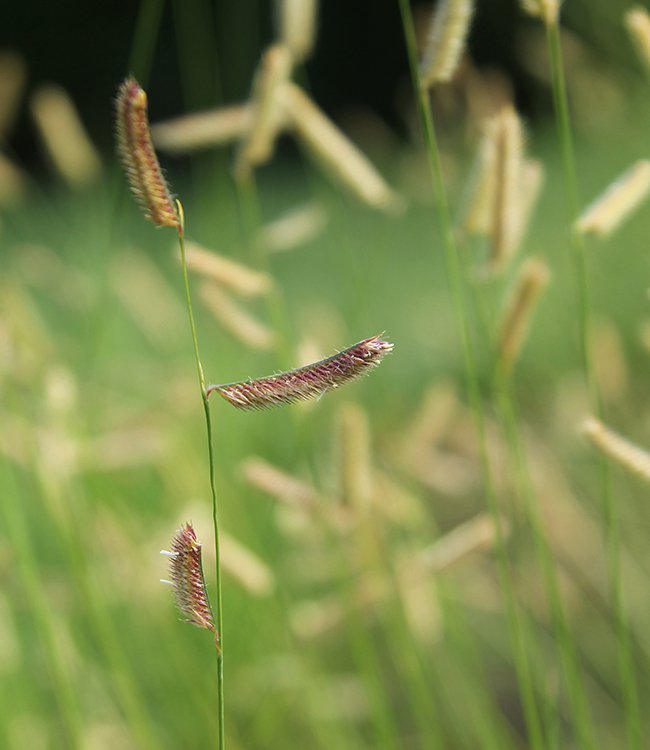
(139, 158)
(306, 382)
(186, 572)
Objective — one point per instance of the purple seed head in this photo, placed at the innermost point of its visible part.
(306, 382)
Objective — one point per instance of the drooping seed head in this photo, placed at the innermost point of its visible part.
(139, 158)
(306, 382)
(186, 573)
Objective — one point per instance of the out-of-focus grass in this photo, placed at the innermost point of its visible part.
(103, 458)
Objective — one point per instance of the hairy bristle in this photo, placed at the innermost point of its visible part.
(618, 201)
(446, 41)
(531, 281)
(336, 153)
(186, 572)
(306, 382)
(139, 158)
(214, 127)
(629, 455)
(297, 26)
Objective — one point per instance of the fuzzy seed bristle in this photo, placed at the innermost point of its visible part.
(306, 382)
(186, 573)
(139, 158)
(446, 41)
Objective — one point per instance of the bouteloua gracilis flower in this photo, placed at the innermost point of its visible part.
(186, 573)
(139, 158)
(306, 382)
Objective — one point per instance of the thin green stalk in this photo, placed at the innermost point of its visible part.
(610, 518)
(65, 693)
(213, 491)
(516, 626)
(568, 656)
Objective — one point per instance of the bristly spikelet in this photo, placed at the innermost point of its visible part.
(139, 158)
(637, 23)
(306, 382)
(618, 448)
(186, 572)
(446, 41)
(618, 201)
(547, 10)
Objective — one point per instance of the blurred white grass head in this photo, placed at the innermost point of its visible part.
(624, 452)
(478, 201)
(532, 279)
(64, 136)
(336, 153)
(509, 147)
(446, 41)
(607, 212)
(234, 318)
(226, 272)
(637, 23)
(279, 484)
(268, 114)
(214, 127)
(547, 10)
(356, 473)
(294, 228)
(246, 567)
(297, 26)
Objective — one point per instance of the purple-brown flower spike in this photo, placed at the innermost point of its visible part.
(306, 382)
(186, 573)
(139, 158)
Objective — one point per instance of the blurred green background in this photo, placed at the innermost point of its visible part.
(329, 644)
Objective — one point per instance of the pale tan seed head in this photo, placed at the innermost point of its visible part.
(234, 318)
(246, 567)
(214, 127)
(547, 10)
(509, 147)
(227, 272)
(268, 114)
(284, 487)
(637, 23)
(621, 450)
(607, 212)
(356, 474)
(336, 153)
(297, 26)
(64, 136)
(477, 212)
(296, 227)
(446, 41)
(531, 281)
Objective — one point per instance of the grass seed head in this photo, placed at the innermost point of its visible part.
(186, 572)
(306, 382)
(446, 41)
(139, 158)
(547, 10)
(637, 23)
